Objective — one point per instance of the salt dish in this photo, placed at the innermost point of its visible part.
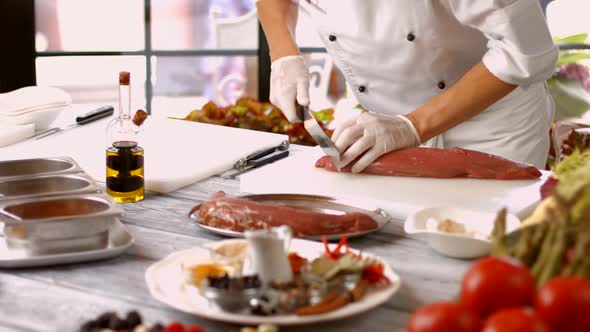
(470, 240)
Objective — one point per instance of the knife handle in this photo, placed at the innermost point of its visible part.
(300, 111)
(272, 157)
(99, 113)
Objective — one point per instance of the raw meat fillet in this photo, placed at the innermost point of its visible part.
(238, 214)
(443, 163)
(549, 187)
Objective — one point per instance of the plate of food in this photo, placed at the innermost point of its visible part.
(309, 216)
(330, 282)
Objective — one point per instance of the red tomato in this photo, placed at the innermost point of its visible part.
(194, 328)
(516, 320)
(494, 283)
(174, 327)
(444, 317)
(564, 303)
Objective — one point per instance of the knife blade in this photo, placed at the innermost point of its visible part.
(317, 133)
(99, 113)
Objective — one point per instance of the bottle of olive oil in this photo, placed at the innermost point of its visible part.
(125, 175)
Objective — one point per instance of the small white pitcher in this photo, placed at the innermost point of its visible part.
(268, 254)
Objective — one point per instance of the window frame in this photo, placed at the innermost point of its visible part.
(26, 40)
(17, 29)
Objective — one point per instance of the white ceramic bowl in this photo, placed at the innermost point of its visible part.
(41, 118)
(452, 244)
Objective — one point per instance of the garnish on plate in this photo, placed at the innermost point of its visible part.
(198, 273)
(337, 277)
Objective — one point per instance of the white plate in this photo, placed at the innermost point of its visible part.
(119, 241)
(166, 283)
(456, 245)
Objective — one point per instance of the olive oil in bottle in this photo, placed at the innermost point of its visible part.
(125, 172)
(124, 160)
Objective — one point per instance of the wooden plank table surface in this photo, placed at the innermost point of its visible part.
(61, 298)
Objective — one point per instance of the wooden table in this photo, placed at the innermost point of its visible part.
(61, 298)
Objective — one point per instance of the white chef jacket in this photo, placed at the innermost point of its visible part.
(398, 54)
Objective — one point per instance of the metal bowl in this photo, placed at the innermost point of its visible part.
(38, 166)
(57, 218)
(46, 185)
(231, 300)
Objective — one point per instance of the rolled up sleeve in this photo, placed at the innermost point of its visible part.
(520, 48)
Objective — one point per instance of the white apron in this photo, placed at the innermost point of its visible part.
(398, 54)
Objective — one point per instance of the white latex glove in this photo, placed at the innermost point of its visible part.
(289, 81)
(373, 135)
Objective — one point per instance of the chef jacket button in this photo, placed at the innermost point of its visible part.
(441, 85)
(411, 37)
(332, 38)
(362, 88)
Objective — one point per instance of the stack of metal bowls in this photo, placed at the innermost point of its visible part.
(50, 205)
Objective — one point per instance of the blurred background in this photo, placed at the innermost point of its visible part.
(191, 51)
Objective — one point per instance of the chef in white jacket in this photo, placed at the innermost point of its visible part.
(437, 73)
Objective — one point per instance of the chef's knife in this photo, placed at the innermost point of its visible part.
(313, 128)
(99, 113)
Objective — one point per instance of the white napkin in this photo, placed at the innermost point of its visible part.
(10, 134)
(32, 99)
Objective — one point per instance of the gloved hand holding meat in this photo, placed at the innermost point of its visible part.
(366, 137)
(443, 163)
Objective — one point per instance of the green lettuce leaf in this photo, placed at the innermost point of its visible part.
(579, 38)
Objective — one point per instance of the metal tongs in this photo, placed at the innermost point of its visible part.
(258, 158)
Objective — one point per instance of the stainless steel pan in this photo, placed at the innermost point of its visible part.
(23, 168)
(46, 185)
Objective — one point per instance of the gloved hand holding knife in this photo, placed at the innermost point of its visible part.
(289, 91)
(363, 138)
(289, 83)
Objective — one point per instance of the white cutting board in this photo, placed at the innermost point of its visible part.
(399, 196)
(177, 152)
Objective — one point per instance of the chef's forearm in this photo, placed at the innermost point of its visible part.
(477, 90)
(278, 19)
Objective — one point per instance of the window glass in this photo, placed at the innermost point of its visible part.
(182, 84)
(89, 25)
(568, 17)
(93, 78)
(204, 24)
